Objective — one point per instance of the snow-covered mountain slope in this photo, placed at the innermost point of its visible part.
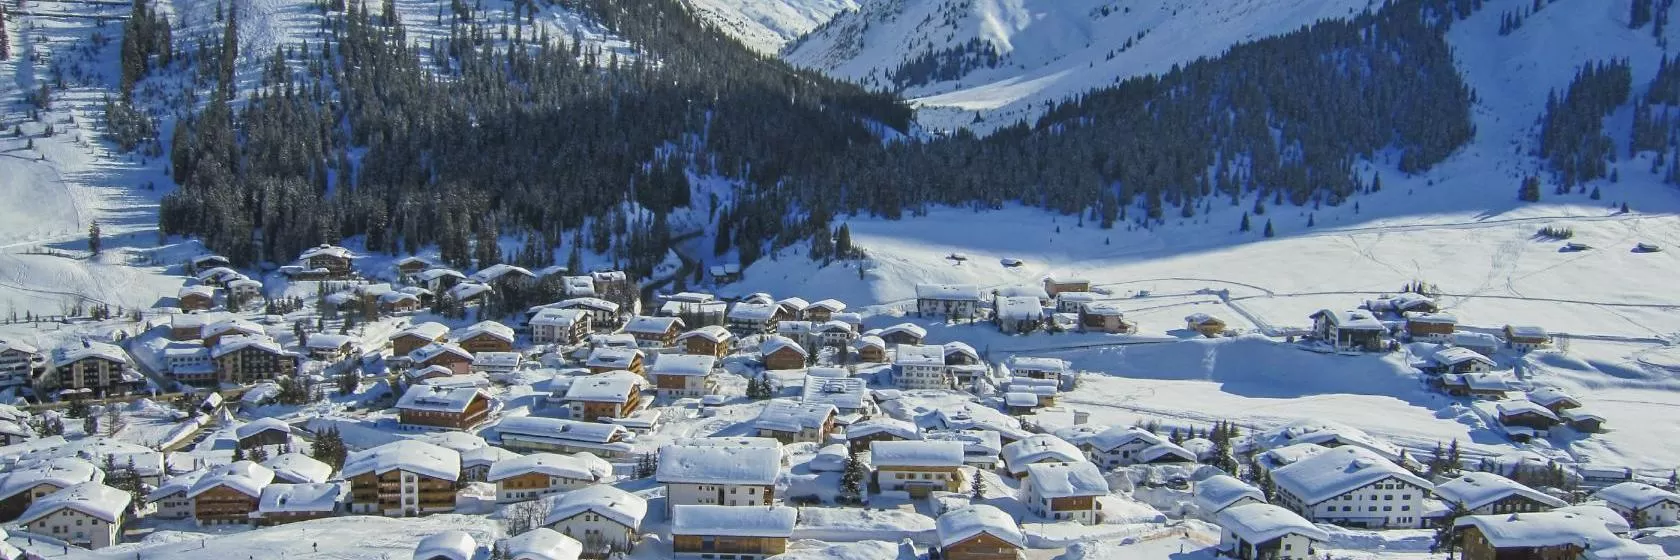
(766, 25)
(1045, 50)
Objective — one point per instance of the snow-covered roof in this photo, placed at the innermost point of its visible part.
(428, 330)
(714, 460)
(846, 393)
(1352, 319)
(434, 398)
(1542, 529)
(597, 304)
(966, 522)
(1076, 297)
(1470, 339)
(1202, 319)
(682, 365)
(579, 285)
(1454, 355)
(485, 456)
(1024, 290)
(777, 343)
(1580, 414)
(652, 325)
(394, 297)
(1020, 399)
(230, 344)
(1258, 523)
(583, 466)
(1019, 308)
(497, 271)
(1526, 331)
(325, 250)
(245, 477)
(976, 442)
(486, 328)
(299, 468)
(1612, 520)
(960, 348)
(12, 344)
(796, 304)
(1108, 440)
(508, 360)
(919, 355)
(468, 290)
(610, 387)
(948, 292)
(1477, 489)
(180, 484)
(882, 424)
(542, 543)
(915, 453)
(1636, 495)
(302, 498)
(830, 458)
(261, 425)
(200, 290)
(790, 416)
(420, 374)
(1065, 480)
(1162, 450)
(755, 312)
(88, 349)
(557, 317)
(406, 455)
(1433, 318)
(558, 428)
(1039, 447)
(832, 305)
(869, 341)
(971, 416)
(851, 319)
(431, 351)
(61, 472)
(1219, 491)
(911, 329)
(713, 333)
(1033, 363)
(1514, 408)
(90, 498)
(431, 274)
(452, 544)
(1549, 396)
(607, 501)
(733, 521)
(1326, 433)
(612, 357)
(693, 297)
(1337, 471)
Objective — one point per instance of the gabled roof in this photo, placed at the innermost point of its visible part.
(789, 416)
(832, 305)
(652, 325)
(433, 398)
(842, 392)
(612, 357)
(1526, 331)
(919, 355)
(302, 498)
(1039, 447)
(1636, 495)
(610, 387)
(1351, 320)
(948, 292)
(468, 290)
(261, 425)
(89, 349)
(407, 455)
(1219, 491)
(713, 333)
(966, 522)
(793, 303)
(617, 505)
(8, 344)
(325, 250)
(1514, 408)
(200, 290)
(428, 372)
(1258, 523)
(869, 341)
(1163, 450)
(776, 343)
(452, 544)
(485, 456)
(180, 484)
(583, 466)
(430, 351)
(557, 317)
(915, 453)
(90, 498)
(960, 348)
(486, 328)
(1019, 308)
(579, 285)
(754, 312)
(682, 365)
(1549, 396)
(230, 344)
(1066, 480)
(495, 272)
(1477, 489)
(911, 329)
(1326, 433)
(1337, 471)
(61, 472)
(883, 424)
(1033, 363)
(1454, 355)
(428, 330)
(245, 477)
(1432, 318)
(1543, 529)
(733, 521)
(1200, 319)
(1113, 438)
(542, 543)
(299, 468)
(328, 341)
(695, 297)
(431, 274)
(558, 428)
(714, 460)
(394, 297)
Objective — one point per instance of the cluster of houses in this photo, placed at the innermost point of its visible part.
(1061, 303)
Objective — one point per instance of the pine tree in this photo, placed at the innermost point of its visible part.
(977, 488)
(238, 452)
(1454, 460)
(843, 242)
(1244, 225)
(1595, 195)
(1530, 190)
(1447, 535)
(1309, 220)
(259, 454)
(95, 243)
(852, 480)
(1268, 233)
(5, 41)
(90, 426)
(1625, 206)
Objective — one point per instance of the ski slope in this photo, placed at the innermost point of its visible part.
(1050, 49)
(766, 26)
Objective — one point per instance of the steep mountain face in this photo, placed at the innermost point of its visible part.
(767, 26)
(1001, 59)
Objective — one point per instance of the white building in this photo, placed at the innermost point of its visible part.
(917, 465)
(739, 471)
(921, 367)
(1641, 504)
(559, 326)
(1038, 368)
(1065, 491)
(849, 395)
(598, 515)
(18, 361)
(1354, 487)
(539, 434)
(171, 497)
(950, 301)
(1130, 445)
(796, 422)
(89, 515)
(1267, 531)
(677, 376)
(752, 318)
(1218, 492)
(533, 476)
(1038, 448)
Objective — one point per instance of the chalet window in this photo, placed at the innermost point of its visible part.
(1372, 508)
(1405, 496)
(1388, 508)
(1405, 508)
(1388, 497)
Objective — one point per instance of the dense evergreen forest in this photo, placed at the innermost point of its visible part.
(495, 131)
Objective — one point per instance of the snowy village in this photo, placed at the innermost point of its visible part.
(345, 390)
